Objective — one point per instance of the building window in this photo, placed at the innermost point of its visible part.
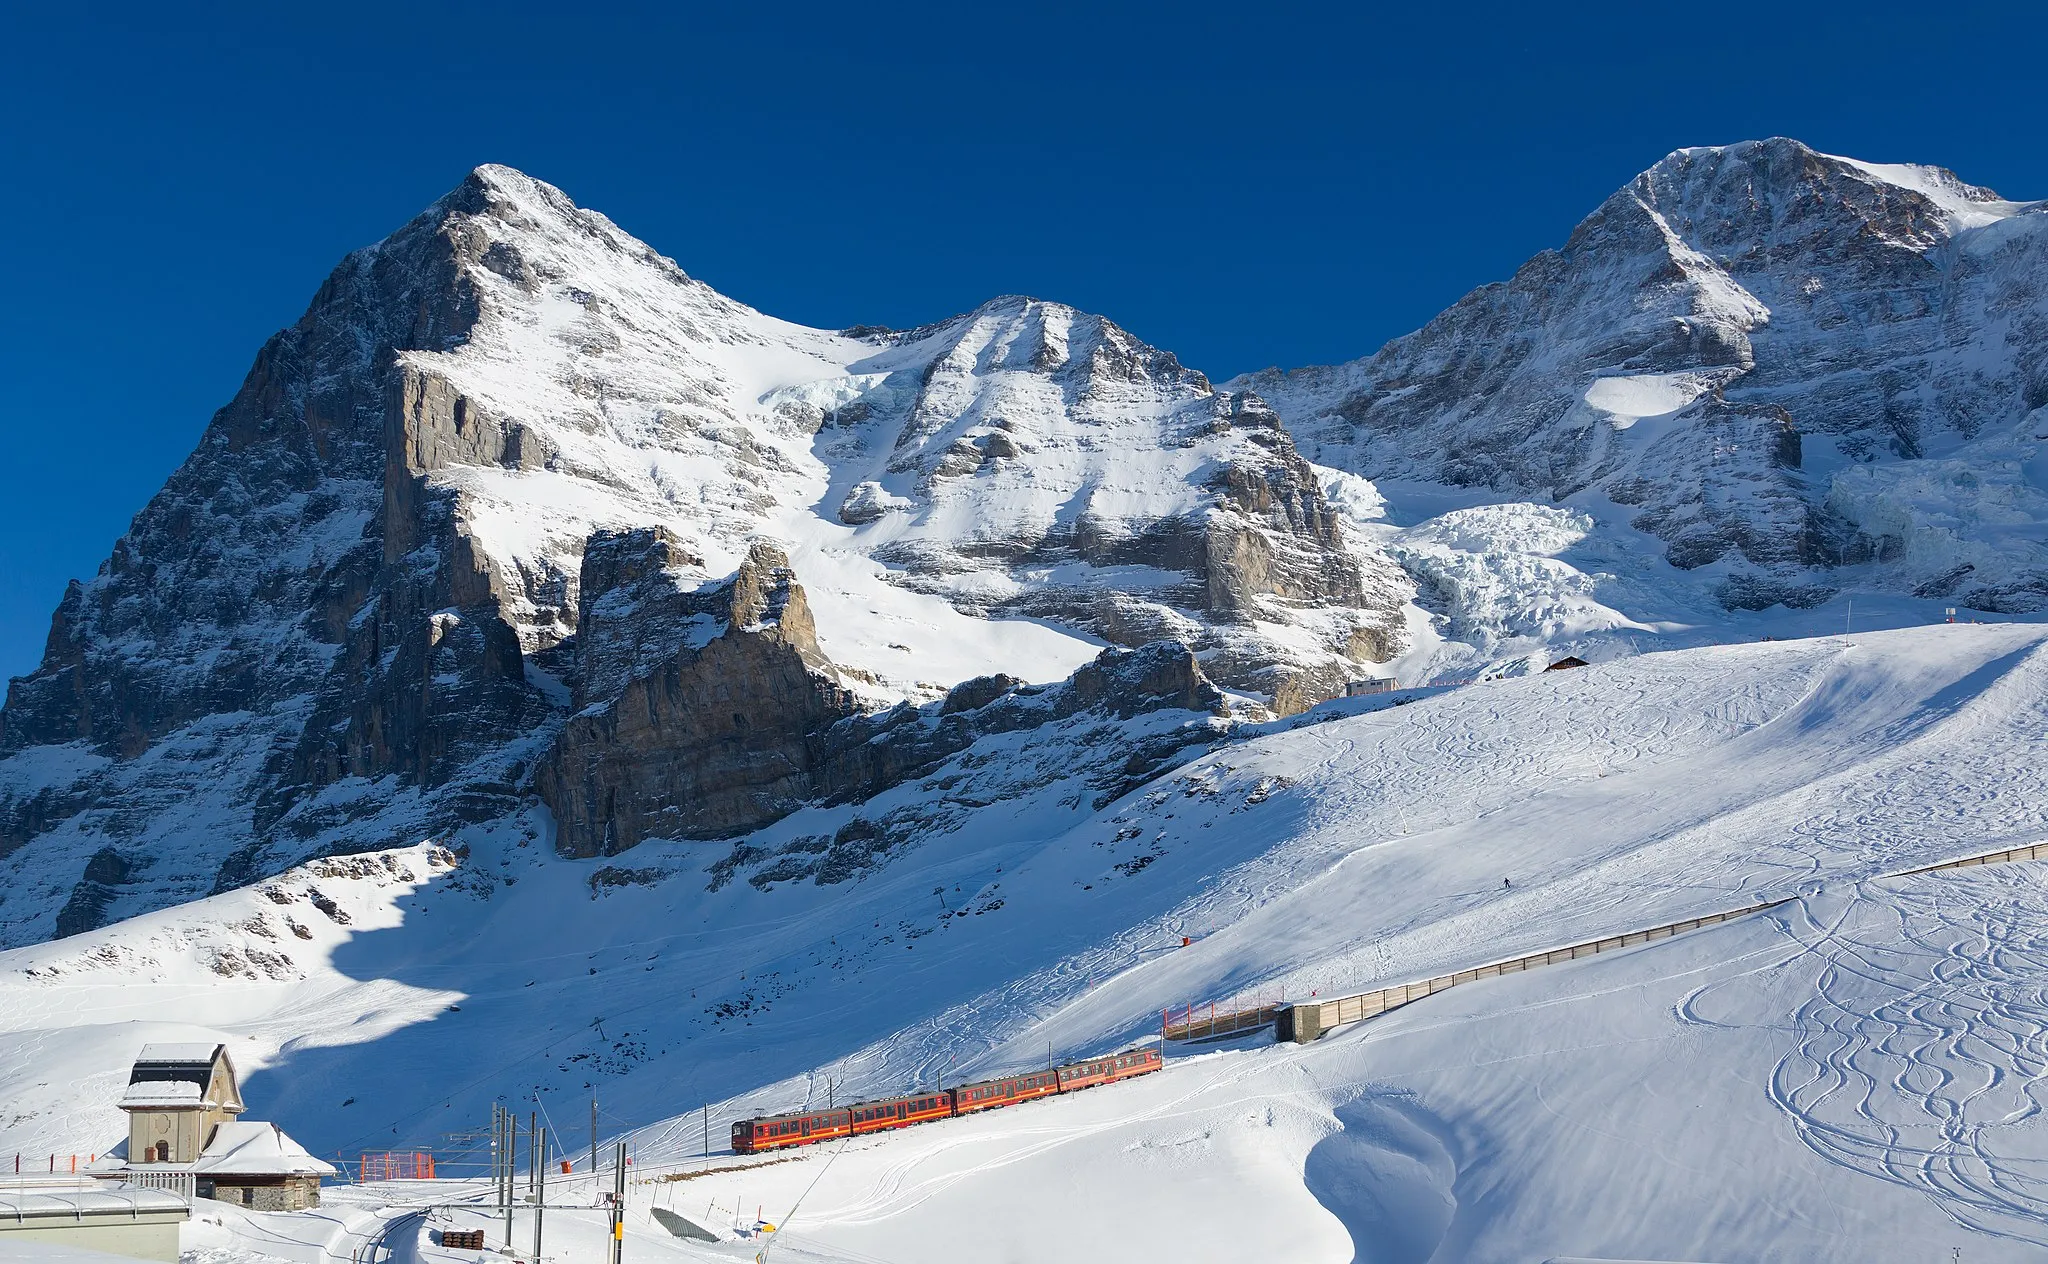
(163, 1152)
(248, 1195)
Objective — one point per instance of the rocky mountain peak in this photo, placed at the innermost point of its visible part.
(494, 519)
(1015, 332)
(1733, 346)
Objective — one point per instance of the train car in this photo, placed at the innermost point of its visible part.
(901, 1112)
(778, 1132)
(1108, 1069)
(1008, 1091)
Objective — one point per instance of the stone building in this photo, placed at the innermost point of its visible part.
(182, 1101)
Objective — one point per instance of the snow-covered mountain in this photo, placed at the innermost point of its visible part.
(520, 514)
(1799, 373)
(551, 677)
(508, 467)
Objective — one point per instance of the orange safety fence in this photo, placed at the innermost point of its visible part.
(397, 1165)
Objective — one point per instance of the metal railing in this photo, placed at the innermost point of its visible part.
(1217, 1020)
(183, 1184)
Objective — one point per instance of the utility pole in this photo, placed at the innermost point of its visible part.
(498, 1154)
(619, 1205)
(533, 1158)
(540, 1187)
(593, 1136)
(510, 1170)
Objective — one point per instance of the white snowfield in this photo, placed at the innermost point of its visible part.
(1852, 1076)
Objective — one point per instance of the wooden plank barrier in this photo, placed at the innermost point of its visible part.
(2037, 851)
(1303, 1022)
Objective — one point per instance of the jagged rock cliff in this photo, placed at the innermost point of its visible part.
(717, 740)
(1029, 458)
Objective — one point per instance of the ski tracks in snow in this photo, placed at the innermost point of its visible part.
(1921, 1057)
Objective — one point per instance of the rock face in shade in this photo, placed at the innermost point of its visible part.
(718, 740)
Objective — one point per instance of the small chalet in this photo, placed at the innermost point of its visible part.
(1566, 664)
(182, 1102)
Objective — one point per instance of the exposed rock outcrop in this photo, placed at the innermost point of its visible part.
(718, 740)
(739, 727)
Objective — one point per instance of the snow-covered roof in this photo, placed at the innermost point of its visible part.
(72, 1203)
(169, 1076)
(143, 1094)
(257, 1149)
(189, 1052)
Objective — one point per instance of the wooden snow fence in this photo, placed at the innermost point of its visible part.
(1303, 1022)
(2036, 851)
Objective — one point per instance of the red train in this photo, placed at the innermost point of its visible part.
(775, 1132)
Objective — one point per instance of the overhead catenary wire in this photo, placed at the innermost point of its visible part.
(776, 1232)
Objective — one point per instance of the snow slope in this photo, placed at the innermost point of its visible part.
(1831, 1045)
(1854, 1077)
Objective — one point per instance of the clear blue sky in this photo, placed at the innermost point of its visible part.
(1243, 184)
